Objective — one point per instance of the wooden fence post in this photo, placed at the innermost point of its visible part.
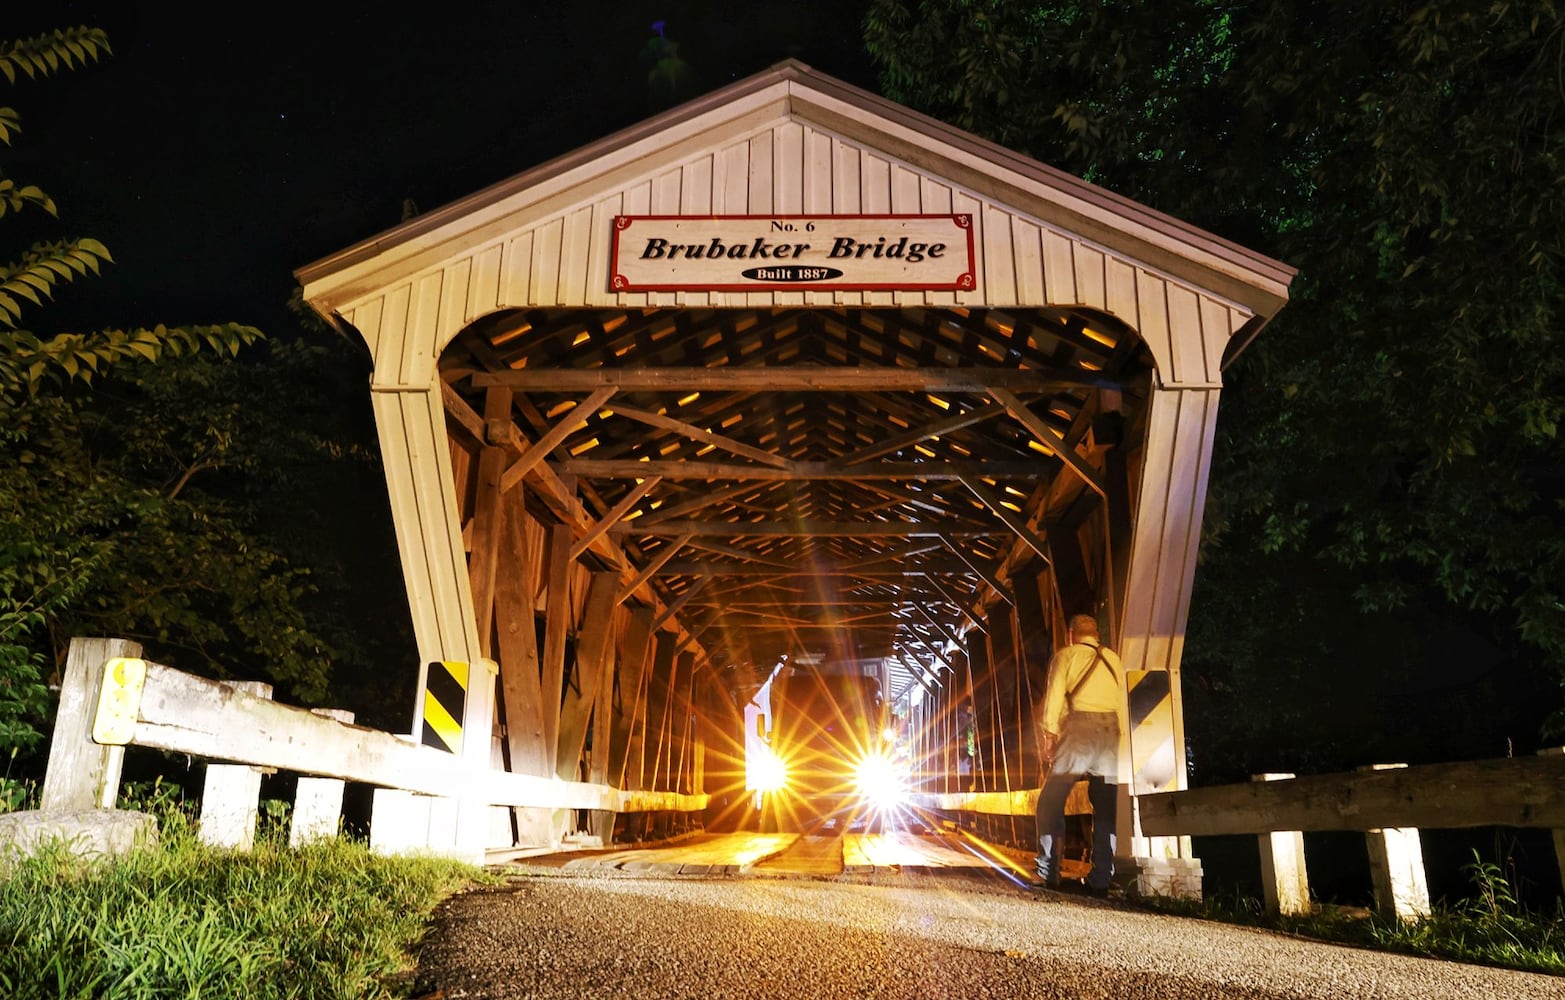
(231, 794)
(82, 774)
(1284, 878)
(1396, 867)
(1559, 834)
(317, 802)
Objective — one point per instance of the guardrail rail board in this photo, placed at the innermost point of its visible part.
(181, 713)
(1520, 791)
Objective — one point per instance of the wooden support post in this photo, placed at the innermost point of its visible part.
(638, 775)
(485, 548)
(516, 630)
(477, 821)
(1002, 691)
(317, 802)
(83, 775)
(1035, 639)
(1396, 868)
(408, 823)
(593, 648)
(1284, 879)
(684, 721)
(660, 688)
(634, 658)
(516, 642)
(230, 799)
(980, 668)
(557, 616)
(1559, 833)
(231, 795)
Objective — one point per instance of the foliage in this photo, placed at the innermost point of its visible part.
(1490, 927)
(16, 794)
(47, 54)
(669, 78)
(327, 920)
(153, 482)
(1399, 419)
(182, 503)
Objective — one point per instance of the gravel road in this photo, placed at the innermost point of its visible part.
(550, 933)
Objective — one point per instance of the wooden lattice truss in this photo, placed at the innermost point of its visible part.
(810, 483)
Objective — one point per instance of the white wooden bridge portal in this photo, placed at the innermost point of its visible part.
(641, 448)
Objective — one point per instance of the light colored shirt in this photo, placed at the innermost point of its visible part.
(1100, 692)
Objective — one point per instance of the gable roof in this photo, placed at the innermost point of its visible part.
(794, 91)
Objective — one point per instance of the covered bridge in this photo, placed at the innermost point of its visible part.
(790, 373)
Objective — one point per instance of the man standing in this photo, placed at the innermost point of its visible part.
(1080, 735)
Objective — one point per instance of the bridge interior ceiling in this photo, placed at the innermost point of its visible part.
(808, 482)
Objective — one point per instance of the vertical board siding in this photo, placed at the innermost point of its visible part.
(575, 242)
(731, 180)
(1120, 295)
(1152, 308)
(818, 172)
(1180, 430)
(761, 190)
(1090, 278)
(1218, 324)
(365, 318)
(638, 201)
(788, 157)
(963, 203)
(1185, 339)
(405, 516)
(545, 280)
(426, 423)
(425, 309)
(790, 169)
(875, 198)
(761, 193)
(395, 344)
(1197, 434)
(847, 188)
(1141, 581)
(999, 269)
(597, 273)
(1027, 248)
(516, 286)
(483, 287)
(424, 507)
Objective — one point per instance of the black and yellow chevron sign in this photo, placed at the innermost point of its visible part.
(1151, 729)
(445, 698)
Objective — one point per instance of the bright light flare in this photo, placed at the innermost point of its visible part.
(768, 773)
(881, 782)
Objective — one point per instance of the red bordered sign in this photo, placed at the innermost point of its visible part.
(753, 253)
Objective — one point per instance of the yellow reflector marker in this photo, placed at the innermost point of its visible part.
(119, 701)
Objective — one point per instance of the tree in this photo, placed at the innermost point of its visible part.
(1395, 429)
(130, 465)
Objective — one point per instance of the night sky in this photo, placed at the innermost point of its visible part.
(219, 148)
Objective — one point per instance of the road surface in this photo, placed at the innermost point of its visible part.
(687, 921)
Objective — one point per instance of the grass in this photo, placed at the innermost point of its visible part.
(1491, 927)
(327, 921)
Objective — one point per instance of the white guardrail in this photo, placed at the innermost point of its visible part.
(426, 799)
